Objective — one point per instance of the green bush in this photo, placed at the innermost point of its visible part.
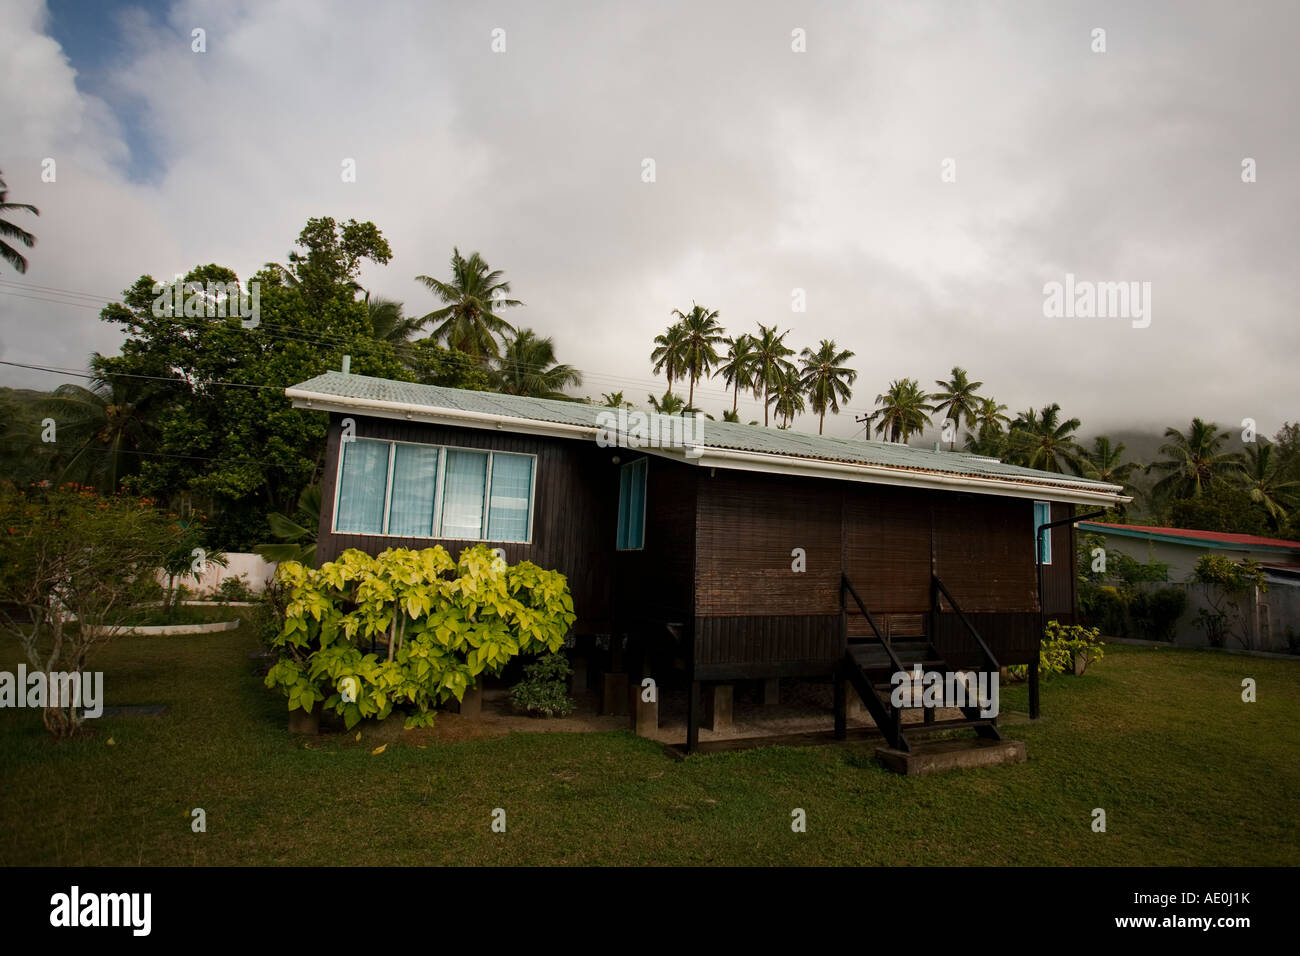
(1154, 613)
(544, 690)
(1064, 643)
(1104, 608)
(235, 589)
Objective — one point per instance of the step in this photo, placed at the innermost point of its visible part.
(940, 756)
(955, 723)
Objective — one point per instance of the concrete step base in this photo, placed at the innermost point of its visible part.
(938, 756)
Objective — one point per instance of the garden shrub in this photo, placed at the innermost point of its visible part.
(544, 691)
(1155, 613)
(445, 622)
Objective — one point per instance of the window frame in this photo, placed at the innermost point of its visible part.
(1047, 538)
(644, 464)
(435, 534)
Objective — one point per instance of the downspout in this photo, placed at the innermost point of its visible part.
(1042, 605)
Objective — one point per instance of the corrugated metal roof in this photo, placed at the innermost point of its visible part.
(1192, 536)
(731, 436)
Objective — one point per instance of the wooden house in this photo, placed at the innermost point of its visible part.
(744, 552)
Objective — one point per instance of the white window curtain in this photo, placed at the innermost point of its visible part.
(512, 479)
(464, 484)
(1042, 515)
(415, 486)
(361, 486)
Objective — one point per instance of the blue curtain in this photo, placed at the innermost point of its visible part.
(512, 481)
(362, 483)
(464, 482)
(631, 505)
(415, 484)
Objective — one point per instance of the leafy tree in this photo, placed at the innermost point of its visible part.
(528, 367)
(9, 231)
(333, 257)
(1224, 507)
(431, 364)
(226, 433)
(826, 379)
(701, 336)
(958, 401)
(903, 410)
(1042, 440)
(1193, 461)
(770, 364)
(469, 319)
(75, 565)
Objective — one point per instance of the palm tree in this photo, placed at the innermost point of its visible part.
(528, 367)
(614, 400)
(825, 378)
(904, 409)
(701, 336)
(1193, 461)
(770, 363)
(788, 397)
(297, 534)
(1264, 480)
(669, 353)
(1043, 441)
(738, 369)
(9, 231)
(990, 413)
(671, 404)
(958, 401)
(101, 425)
(387, 323)
(1105, 462)
(476, 293)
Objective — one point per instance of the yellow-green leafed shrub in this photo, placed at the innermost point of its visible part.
(444, 621)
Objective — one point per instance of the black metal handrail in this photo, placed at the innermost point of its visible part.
(845, 583)
(961, 616)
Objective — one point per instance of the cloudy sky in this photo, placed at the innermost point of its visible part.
(775, 170)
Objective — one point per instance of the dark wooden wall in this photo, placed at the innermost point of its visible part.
(755, 616)
(653, 585)
(1059, 580)
(574, 508)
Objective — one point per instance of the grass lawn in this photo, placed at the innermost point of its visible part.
(1159, 738)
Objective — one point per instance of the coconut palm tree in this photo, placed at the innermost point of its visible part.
(825, 378)
(771, 363)
(99, 426)
(1105, 462)
(387, 323)
(904, 410)
(1267, 485)
(9, 231)
(701, 336)
(672, 404)
(1193, 461)
(527, 366)
(469, 320)
(669, 353)
(614, 400)
(738, 369)
(957, 401)
(990, 412)
(788, 397)
(1043, 441)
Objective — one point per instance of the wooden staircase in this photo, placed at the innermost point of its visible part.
(872, 658)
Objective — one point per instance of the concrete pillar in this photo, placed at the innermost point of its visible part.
(645, 713)
(772, 690)
(717, 707)
(578, 679)
(613, 698)
(853, 706)
(471, 705)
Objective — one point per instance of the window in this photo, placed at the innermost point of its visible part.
(631, 505)
(409, 490)
(1042, 515)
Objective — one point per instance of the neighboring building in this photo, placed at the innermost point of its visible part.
(1272, 616)
(1181, 548)
(732, 549)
